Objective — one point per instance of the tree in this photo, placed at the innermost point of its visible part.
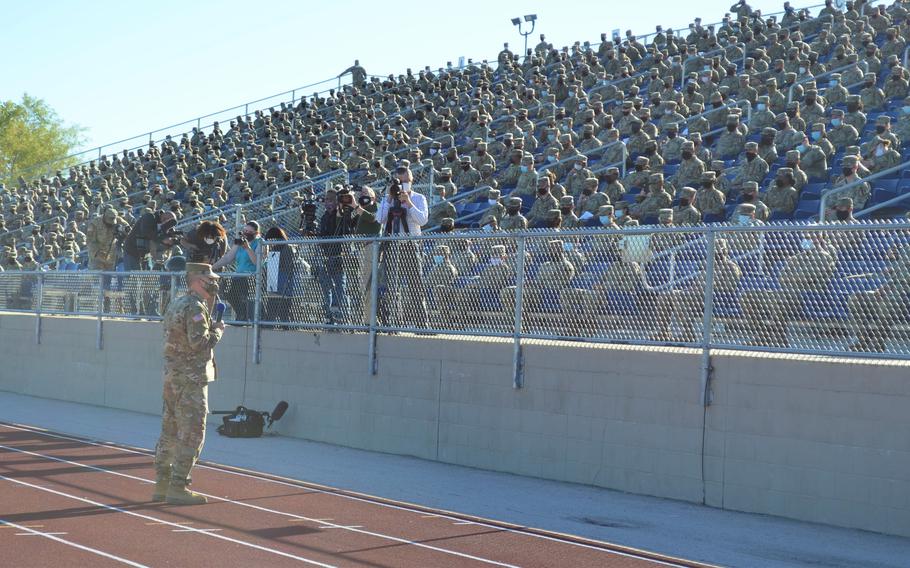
(31, 135)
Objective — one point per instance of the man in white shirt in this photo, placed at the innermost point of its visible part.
(404, 214)
(416, 212)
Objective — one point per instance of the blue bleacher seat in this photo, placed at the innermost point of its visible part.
(622, 303)
(825, 305)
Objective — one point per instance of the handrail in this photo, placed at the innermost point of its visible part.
(841, 188)
(816, 78)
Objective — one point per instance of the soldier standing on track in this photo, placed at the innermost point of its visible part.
(190, 336)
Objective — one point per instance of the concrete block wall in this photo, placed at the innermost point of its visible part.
(815, 439)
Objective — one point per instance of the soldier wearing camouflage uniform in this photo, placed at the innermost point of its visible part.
(190, 336)
(101, 239)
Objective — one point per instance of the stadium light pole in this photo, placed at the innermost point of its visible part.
(517, 22)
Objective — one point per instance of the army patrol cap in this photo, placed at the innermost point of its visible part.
(590, 182)
(665, 213)
(631, 223)
(850, 161)
(642, 161)
(200, 269)
(792, 154)
(605, 210)
(446, 223)
(845, 202)
(769, 131)
(750, 187)
(883, 120)
(442, 248)
(745, 209)
(751, 146)
(566, 201)
(498, 250)
(673, 127)
(513, 201)
(583, 160)
(717, 164)
(785, 171)
(492, 193)
(527, 159)
(612, 170)
(853, 98)
(554, 214)
(688, 192)
(708, 176)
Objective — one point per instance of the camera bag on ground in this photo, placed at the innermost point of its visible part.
(245, 423)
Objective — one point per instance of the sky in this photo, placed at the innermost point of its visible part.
(121, 70)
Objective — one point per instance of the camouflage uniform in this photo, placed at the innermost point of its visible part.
(189, 365)
(101, 236)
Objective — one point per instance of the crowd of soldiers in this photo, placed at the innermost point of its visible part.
(609, 135)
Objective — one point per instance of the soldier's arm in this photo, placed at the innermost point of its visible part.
(199, 331)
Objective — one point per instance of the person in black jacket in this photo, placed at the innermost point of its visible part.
(151, 231)
(284, 267)
(337, 221)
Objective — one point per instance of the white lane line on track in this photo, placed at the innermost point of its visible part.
(258, 508)
(55, 538)
(150, 518)
(39, 533)
(644, 554)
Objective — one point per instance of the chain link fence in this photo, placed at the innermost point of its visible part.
(815, 289)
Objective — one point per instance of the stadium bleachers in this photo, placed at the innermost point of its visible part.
(364, 130)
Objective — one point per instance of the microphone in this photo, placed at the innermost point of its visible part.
(279, 411)
(219, 311)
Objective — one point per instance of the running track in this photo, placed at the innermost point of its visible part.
(66, 501)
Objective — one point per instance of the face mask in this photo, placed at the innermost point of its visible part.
(551, 159)
(762, 106)
(836, 122)
(211, 288)
(209, 241)
(619, 214)
(544, 93)
(433, 151)
(567, 246)
(801, 148)
(807, 244)
(816, 136)
(488, 228)
(604, 219)
(495, 261)
(744, 219)
(524, 169)
(879, 151)
(906, 109)
(492, 201)
(437, 259)
(578, 166)
(405, 186)
(832, 83)
(802, 70)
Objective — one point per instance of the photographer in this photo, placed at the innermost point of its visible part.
(403, 212)
(337, 221)
(206, 244)
(246, 253)
(152, 232)
(367, 226)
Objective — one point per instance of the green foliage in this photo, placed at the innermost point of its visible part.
(31, 134)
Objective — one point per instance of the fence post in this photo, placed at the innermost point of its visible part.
(100, 338)
(40, 297)
(374, 292)
(519, 293)
(293, 97)
(708, 319)
(257, 355)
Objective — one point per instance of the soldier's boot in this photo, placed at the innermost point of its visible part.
(178, 494)
(162, 484)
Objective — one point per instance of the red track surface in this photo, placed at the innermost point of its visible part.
(70, 502)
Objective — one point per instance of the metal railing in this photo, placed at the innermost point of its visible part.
(837, 289)
(827, 194)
